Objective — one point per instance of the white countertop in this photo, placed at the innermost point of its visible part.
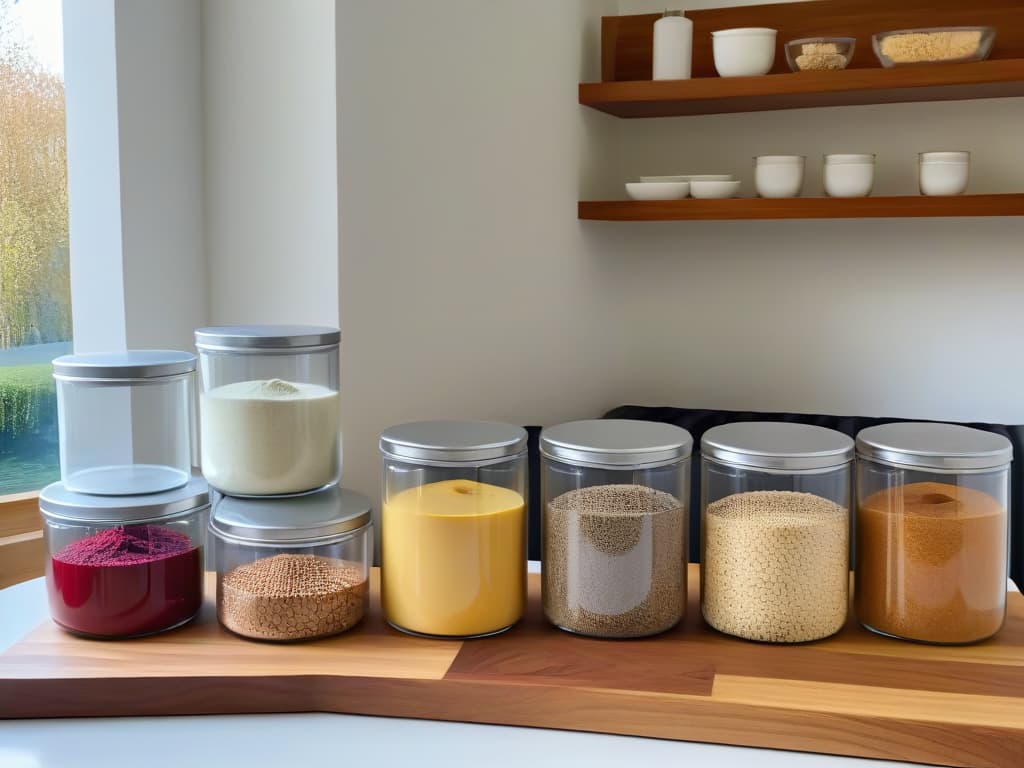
(274, 741)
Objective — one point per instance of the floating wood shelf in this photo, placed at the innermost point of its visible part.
(627, 90)
(717, 95)
(910, 206)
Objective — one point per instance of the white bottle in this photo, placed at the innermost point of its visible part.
(673, 46)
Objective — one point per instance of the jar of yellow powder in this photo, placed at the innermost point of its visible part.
(453, 527)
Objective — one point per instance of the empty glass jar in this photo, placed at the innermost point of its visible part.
(775, 501)
(270, 415)
(124, 566)
(453, 532)
(615, 522)
(932, 531)
(125, 421)
(292, 568)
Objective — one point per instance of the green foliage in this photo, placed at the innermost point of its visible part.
(35, 294)
(28, 400)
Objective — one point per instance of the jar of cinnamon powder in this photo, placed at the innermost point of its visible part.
(932, 531)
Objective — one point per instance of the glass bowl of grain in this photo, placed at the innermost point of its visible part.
(811, 54)
(932, 45)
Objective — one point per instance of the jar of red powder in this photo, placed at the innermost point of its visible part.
(124, 566)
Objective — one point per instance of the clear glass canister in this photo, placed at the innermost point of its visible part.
(124, 566)
(775, 522)
(453, 531)
(615, 523)
(294, 568)
(124, 421)
(932, 531)
(270, 414)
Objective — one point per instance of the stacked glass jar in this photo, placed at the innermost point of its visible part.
(124, 527)
(291, 548)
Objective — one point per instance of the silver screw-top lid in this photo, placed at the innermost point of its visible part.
(616, 443)
(264, 338)
(57, 502)
(133, 364)
(453, 442)
(310, 518)
(777, 446)
(924, 445)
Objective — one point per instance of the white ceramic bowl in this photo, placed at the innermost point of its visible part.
(658, 190)
(849, 175)
(703, 177)
(744, 52)
(714, 190)
(939, 178)
(778, 176)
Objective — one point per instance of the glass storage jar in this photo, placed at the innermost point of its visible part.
(125, 421)
(124, 566)
(270, 416)
(292, 568)
(775, 520)
(453, 531)
(932, 531)
(615, 523)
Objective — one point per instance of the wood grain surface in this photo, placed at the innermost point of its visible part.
(853, 694)
(908, 206)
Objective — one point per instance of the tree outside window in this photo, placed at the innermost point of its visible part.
(35, 292)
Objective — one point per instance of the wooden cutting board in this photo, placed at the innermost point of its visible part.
(854, 694)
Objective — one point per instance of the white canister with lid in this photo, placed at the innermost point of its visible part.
(849, 175)
(944, 173)
(673, 47)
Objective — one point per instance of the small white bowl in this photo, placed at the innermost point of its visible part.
(714, 190)
(703, 177)
(744, 52)
(658, 190)
(849, 175)
(777, 176)
(944, 178)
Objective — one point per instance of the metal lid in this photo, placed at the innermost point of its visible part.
(312, 517)
(777, 446)
(453, 442)
(934, 446)
(241, 338)
(56, 501)
(131, 364)
(616, 443)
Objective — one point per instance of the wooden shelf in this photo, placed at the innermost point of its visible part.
(627, 90)
(715, 95)
(910, 206)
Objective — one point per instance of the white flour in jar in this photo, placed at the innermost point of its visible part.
(269, 437)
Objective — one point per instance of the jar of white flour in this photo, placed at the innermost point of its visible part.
(270, 417)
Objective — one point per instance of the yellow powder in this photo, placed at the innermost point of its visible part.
(454, 558)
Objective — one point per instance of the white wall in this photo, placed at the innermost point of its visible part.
(916, 318)
(134, 173)
(270, 161)
(468, 287)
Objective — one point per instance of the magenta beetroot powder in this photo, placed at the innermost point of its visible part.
(126, 581)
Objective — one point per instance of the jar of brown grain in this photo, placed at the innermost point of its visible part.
(932, 531)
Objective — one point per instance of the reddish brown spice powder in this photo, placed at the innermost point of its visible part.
(126, 581)
(931, 563)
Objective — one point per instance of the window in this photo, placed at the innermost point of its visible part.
(35, 293)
